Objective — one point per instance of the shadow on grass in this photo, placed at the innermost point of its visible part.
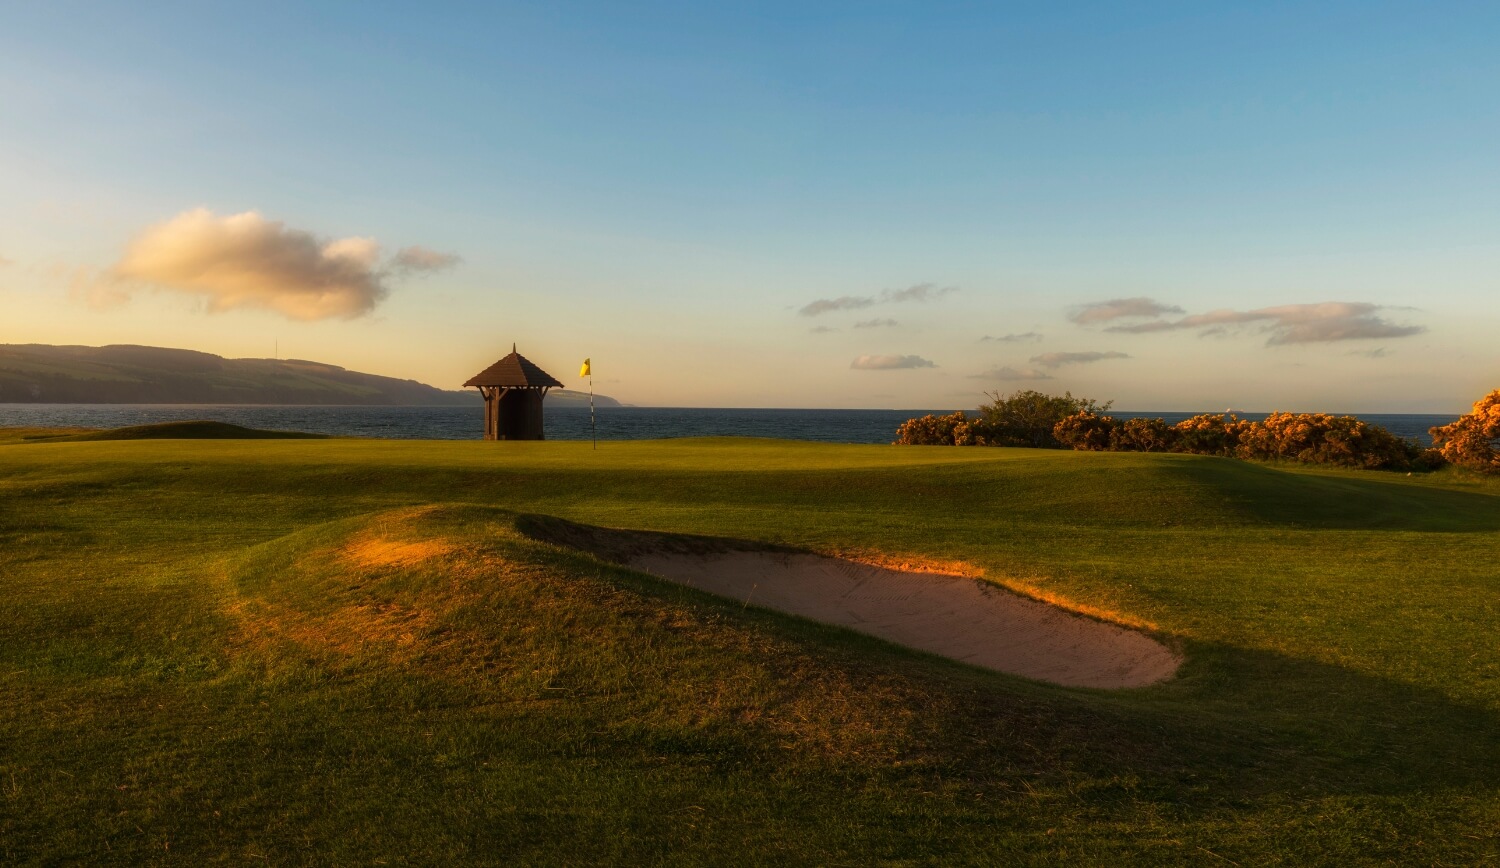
(1372, 501)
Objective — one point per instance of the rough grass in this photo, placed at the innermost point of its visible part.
(359, 651)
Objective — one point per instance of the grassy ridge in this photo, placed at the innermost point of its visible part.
(347, 651)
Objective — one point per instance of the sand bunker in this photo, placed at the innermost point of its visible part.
(956, 617)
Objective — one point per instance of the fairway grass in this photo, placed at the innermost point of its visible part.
(343, 651)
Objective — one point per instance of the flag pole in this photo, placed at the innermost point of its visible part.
(588, 371)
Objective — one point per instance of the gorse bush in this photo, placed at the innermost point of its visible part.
(1318, 438)
(1310, 438)
(936, 431)
(1473, 440)
(1086, 431)
(1209, 434)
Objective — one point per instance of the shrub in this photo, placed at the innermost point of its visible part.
(1209, 434)
(1085, 432)
(936, 431)
(1472, 440)
(1142, 435)
(1318, 438)
(1027, 417)
(1428, 459)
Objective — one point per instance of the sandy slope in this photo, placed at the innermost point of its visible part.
(961, 618)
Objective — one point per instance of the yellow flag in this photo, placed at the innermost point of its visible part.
(585, 370)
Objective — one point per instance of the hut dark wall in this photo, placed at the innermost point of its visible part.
(512, 414)
(520, 415)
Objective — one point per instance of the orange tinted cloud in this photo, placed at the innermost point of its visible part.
(247, 261)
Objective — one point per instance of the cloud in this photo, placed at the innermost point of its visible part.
(876, 323)
(889, 363)
(1147, 327)
(1057, 360)
(1013, 339)
(843, 302)
(922, 292)
(246, 261)
(1378, 353)
(1009, 373)
(1120, 308)
(818, 330)
(4, 262)
(416, 259)
(1291, 323)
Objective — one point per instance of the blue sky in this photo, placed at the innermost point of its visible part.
(1308, 194)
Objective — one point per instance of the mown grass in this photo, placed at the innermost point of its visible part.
(348, 651)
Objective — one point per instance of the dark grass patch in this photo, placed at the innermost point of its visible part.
(193, 430)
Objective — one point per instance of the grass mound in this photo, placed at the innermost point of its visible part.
(194, 430)
(31, 432)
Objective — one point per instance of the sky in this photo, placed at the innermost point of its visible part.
(1174, 206)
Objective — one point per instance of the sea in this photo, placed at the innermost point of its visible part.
(563, 423)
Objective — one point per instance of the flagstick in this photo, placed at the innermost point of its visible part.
(592, 427)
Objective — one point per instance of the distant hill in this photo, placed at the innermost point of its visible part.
(129, 374)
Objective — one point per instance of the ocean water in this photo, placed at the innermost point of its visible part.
(561, 423)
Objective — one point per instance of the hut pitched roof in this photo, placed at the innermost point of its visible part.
(515, 370)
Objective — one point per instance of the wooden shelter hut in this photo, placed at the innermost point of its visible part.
(513, 389)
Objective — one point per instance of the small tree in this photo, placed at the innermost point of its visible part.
(1027, 417)
(1473, 439)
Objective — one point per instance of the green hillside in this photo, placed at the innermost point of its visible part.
(342, 651)
(128, 374)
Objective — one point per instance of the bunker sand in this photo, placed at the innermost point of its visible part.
(962, 618)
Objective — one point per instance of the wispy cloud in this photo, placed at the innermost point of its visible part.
(922, 292)
(1378, 353)
(1120, 308)
(889, 363)
(1291, 323)
(1009, 373)
(1057, 360)
(246, 261)
(843, 302)
(418, 259)
(876, 324)
(1013, 338)
(4, 262)
(819, 330)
